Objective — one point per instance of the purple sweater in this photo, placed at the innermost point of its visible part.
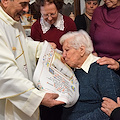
(105, 32)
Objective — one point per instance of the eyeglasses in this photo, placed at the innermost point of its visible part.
(49, 15)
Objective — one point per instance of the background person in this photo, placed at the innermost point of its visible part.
(105, 29)
(83, 21)
(19, 99)
(51, 25)
(96, 81)
(34, 10)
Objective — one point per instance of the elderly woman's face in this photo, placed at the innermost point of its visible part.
(112, 3)
(70, 54)
(49, 13)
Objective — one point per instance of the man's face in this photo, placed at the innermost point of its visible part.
(49, 12)
(15, 8)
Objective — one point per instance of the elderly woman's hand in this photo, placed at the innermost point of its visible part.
(112, 64)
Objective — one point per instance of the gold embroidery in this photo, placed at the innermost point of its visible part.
(19, 55)
(21, 48)
(14, 48)
(18, 94)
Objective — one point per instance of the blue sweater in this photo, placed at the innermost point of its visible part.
(97, 83)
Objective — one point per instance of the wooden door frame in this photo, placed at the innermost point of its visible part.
(77, 7)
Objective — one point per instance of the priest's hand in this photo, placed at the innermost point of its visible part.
(49, 100)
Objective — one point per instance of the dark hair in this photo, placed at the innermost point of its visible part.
(94, 0)
(58, 3)
(35, 10)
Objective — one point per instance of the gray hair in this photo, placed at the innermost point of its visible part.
(78, 39)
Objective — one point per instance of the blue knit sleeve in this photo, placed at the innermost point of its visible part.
(97, 114)
(108, 83)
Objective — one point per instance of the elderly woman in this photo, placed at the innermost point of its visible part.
(51, 25)
(95, 81)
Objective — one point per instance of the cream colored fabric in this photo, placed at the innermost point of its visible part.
(86, 65)
(59, 24)
(19, 99)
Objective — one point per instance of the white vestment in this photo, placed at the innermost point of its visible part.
(19, 99)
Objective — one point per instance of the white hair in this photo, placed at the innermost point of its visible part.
(78, 39)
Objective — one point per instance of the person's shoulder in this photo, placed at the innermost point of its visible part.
(80, 18)
(95, 64)
(103, 69)
(69, 23)
(36, 25)
(97, 12)
(82, 15)
(98, 9)
(37, 22)
(67, 18)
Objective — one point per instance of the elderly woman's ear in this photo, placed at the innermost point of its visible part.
(82, 51)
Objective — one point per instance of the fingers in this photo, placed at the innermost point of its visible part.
(95, 54)
(105, 107)
(112, 64)
(107, 102)
(107, 99)
(106, 111)
(54, 96)
(118, 100)
(53, 45)
(108, 105)
(56, 102)
(49, 100)
(105, 60)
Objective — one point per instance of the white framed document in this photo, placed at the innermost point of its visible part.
(52, 75)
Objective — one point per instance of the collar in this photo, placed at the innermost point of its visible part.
(4, 16)
(90, 59)
(59, 24)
